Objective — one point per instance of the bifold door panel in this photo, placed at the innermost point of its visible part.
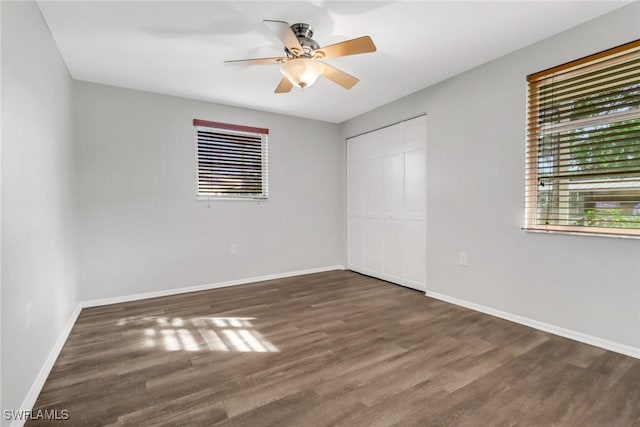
(386, 203)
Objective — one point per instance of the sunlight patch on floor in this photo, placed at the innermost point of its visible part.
(202, 334)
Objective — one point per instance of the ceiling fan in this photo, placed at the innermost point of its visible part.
(304, 60)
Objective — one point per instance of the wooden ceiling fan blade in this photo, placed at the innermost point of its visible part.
(284, 86)
(357, 46)
(257, 61)
(285, 34)
(345, 80)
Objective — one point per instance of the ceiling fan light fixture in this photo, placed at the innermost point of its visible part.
(302, 72)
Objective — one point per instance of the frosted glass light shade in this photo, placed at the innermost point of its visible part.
(302, 72)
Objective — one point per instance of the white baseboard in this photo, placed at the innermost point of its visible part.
(556, 330)
(37, 385)
(33, 393)
(176, 291)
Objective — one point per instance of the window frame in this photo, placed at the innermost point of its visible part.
(233, 130)
(580, 66)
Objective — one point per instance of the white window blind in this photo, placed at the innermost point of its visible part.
(583, 145)
(232, 160)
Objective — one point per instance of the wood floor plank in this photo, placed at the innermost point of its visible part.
(328, 349)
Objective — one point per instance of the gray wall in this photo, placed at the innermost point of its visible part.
(38, 211)
(142, 229)
(475, 196)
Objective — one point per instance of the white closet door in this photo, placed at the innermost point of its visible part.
(415, 250)
(415, 191)
(356, 204)
(392, 183)
(386, 203)
(372, 183)
(355, 182)
(355, 248)
(373, 245)
(394, 250)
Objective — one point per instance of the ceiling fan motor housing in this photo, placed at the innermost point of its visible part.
(303, 33)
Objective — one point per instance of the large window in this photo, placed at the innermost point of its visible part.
(232, 161)
(583, 145)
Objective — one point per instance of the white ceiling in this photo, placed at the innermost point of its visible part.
(178, 47)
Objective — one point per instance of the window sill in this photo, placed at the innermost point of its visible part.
(232, 199)
(581, 233)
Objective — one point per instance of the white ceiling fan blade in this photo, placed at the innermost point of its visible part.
(285, 34)
(257, 61)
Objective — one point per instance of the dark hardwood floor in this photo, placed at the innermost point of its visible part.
(333, 348)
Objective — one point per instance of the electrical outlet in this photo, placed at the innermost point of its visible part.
(463, 259)
(29, 312)
(233, 249)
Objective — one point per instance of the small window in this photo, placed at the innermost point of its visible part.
(583, 145)
(232, 161)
